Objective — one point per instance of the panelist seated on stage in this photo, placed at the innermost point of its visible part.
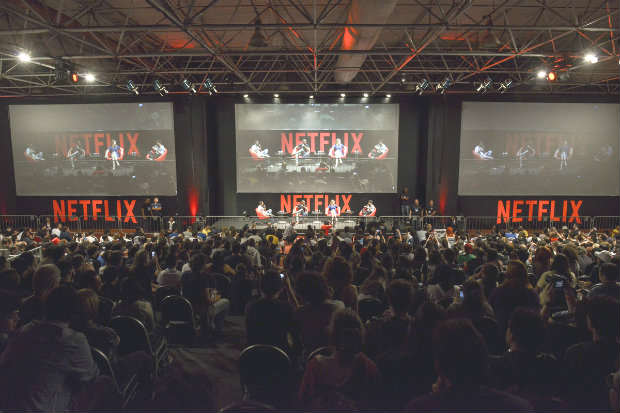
(158, 152)
(480, 152)
(300, 209)
(369, 210)
(379, 151)
(258, 152)
(262, 212)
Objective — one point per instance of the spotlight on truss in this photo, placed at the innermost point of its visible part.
(444, 85)
(483, 87)
(187, 85)
(132, 87)
(209, 86)
(159, 88)
(505, 85)
(421, 86)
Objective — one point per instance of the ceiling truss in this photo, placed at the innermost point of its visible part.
(170, 40)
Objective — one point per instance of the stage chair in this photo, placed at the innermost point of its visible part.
(265, 373)
(177, 317)
(126, 391)
(134, 337)
(261, 215)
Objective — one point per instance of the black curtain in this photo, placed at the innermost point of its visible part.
(190, 122)
(442, 161)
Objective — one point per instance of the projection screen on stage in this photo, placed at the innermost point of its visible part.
(564, 149)
(111, 149)
(349, 148)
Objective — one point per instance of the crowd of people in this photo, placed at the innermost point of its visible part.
(369, 318)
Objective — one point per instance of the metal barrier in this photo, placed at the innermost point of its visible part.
(150, 224)
(606, 223)
(18, 221)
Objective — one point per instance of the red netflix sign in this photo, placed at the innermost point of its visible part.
(97, 142)
(321, 141)
(314, 202)
(529, 210)
(94, 209)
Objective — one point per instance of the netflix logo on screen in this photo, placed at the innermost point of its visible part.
(529, 210)
(314, 202)
(321, 141)
(68, 210)
(97, 142)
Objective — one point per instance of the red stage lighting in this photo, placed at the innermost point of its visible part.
(551, 76)
(74, 77)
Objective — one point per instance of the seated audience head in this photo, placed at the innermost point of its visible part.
(560, 265)
(346, 333)
(400, 296)
(9, 313)
(9, 280)
(516, 275)
(603, 318)
(460, 354)
(608, 273)
(338, 272)
(271, 283)
(526, 330)
(88, 301)
(45, 279)
(312, 287)
(62, 304)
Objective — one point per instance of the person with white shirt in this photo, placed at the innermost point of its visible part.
(57, 231)
(170, 277)
(259, 152)
(482, 152)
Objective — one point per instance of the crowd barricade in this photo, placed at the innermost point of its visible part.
(71, 222)
(481, 223)
(18, 221)
(443, 222)
(181, 223)
(606, 222)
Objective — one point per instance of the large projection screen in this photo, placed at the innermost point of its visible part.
(563, 149)
(113, 149)
(350, 148)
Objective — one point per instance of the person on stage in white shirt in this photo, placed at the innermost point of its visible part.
(259, 152)
(481, 151)
(525, 152)
(261, 209)
(333, 211)
(563, 154)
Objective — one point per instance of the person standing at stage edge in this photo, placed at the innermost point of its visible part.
(405, 207)
(430, 210)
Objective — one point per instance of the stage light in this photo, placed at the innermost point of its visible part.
(551, 76)
(365, 95)
(75, 77)
(343, 95)
(444, 85)
(246, 96)
(209, 86)
(311, 97)
(187, 85)
(505, 85)
(541, 74)
(258, 39)
(403, 80)
(484, 85)
(24, 57)
(132, 87)
(89, 77)
(276, 95)
(159, 88)
(421, 86)
(591, 58)
(388, 96)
